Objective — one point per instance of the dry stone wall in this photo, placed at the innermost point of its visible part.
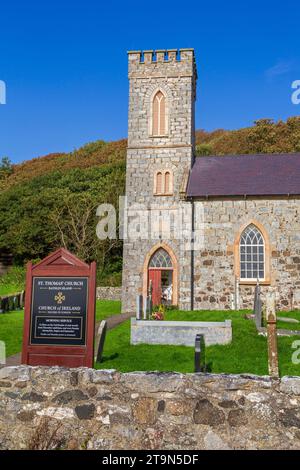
(109, 293)
(88, 409)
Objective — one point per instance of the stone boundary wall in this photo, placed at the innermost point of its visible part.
(180, 333)
(109, 293)
(43, 407)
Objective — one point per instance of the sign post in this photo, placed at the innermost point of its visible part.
(59, 318)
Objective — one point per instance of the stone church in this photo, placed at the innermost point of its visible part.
(219, 224)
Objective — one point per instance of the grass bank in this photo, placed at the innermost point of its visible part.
(11, 324)
(246, 354)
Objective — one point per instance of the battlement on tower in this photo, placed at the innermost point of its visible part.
(164, 62)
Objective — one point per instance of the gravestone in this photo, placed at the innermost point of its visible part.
(22, 299)
(139, 307)
(257, 308)
(199, 353)
(147, 308)
(101, 333)
(59, 318)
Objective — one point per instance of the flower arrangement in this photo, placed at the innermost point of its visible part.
(159, 313)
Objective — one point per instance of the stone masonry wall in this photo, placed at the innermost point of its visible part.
(141, 166)
(147, 154)
(214, 273)
(109, 293)
(46, 408)
(214, 263)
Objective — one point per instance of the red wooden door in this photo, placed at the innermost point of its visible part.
(155, 277)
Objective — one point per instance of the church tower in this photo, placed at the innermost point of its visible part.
(161, 137)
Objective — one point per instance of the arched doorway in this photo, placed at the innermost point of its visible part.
(161, 277)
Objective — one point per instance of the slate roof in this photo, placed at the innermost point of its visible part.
(251, 175)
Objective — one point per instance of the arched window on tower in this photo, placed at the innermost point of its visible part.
(159, 114)
(159, 181)
(167, 182)
(163, 183)
(252, 254)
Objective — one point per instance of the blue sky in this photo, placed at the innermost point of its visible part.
(65, 65)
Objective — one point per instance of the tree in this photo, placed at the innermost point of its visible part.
(6, 167)
(204, 150)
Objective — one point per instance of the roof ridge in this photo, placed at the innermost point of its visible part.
(235, 155)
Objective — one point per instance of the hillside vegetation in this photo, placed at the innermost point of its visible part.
(266, 136)
(51, 201)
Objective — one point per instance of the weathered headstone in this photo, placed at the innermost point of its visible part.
(147, 308)
(257, 308)
(22, 299)
(101, 333)
(272, 334)
(139, 307)
(199, 353)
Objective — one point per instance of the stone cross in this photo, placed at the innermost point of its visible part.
(272, 334)
(101, 333)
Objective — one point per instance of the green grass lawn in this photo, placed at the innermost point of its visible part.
(11, 331)
(289, 326)
(11, 324)
(246, 354)
(107, 308)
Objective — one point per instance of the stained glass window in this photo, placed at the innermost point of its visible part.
(160, 259)
(252, 254)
